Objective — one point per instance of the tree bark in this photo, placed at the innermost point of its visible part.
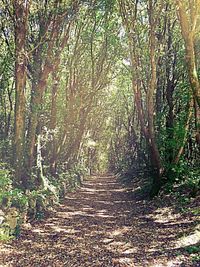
(188, 27)
(154, 152)
(170, 87)
(21, 10)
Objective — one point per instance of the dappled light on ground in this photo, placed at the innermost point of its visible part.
(102, 225)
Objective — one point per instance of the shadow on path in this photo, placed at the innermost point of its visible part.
(99, 225)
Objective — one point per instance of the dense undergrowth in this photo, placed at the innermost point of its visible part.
(182, 178)
(184, 182)
(19, 206)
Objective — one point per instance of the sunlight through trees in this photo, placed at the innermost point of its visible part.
(97, 86)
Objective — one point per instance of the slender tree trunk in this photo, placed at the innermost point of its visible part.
(170, 87)
(170, 120)
(154, 152)
(159, 92)
(8, 122)
(197, 122)
(21, 10)
(188, 27)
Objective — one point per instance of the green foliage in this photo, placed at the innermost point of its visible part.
(5, 178)
(72, 178)
(196, 211)
(5, 185)
(5, 237)
(10, 196)
(192, 179)
(193, 249)
(17, 198)
(196, 258)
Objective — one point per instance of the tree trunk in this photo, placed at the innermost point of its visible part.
(21, 10)
(154, 152)
(188, 26)
(170, 87)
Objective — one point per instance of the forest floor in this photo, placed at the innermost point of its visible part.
(105, 224)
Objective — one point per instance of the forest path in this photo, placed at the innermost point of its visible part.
(101, 224)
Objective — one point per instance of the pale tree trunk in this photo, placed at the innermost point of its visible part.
(40, 175)
(21, 9)
(188, 17)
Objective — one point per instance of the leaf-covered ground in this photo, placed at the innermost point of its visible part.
(103, 224)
